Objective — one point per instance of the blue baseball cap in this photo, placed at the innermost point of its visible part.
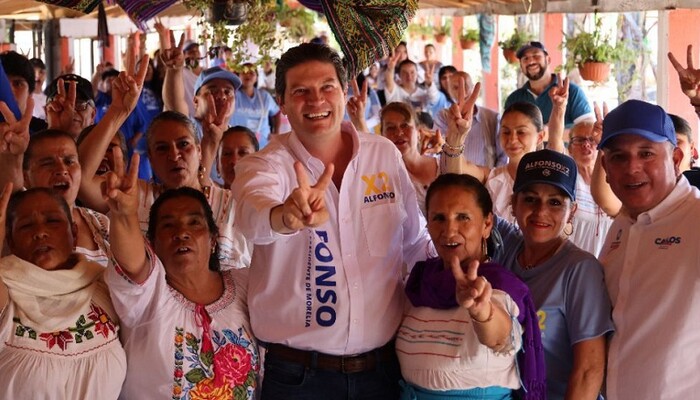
(216, 73)
(638, 118)
(530, 45)
(549, 167)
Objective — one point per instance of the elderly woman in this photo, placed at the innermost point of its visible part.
(566, 282)
(58, 329)
(236, 143)
(186, 330)
(175, 155)
(460, 336)
(51, 161)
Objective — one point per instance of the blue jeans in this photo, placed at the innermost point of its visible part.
(285, 380)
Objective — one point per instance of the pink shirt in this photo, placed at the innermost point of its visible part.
(337, 288)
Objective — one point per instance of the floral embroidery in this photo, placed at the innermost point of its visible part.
(226, 372)
(97, 321)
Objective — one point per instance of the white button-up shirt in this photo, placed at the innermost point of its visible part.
(652, 270)
(336, 288)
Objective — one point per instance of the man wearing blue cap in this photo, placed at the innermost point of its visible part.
(534, 63)
(214, 100)
(651, 258)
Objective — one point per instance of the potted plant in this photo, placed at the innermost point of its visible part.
(299, 22)
(592, 53)
(442, 32)
(469, 38)
(514, 42)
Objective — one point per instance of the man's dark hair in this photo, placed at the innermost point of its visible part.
(303, 53)
(38, 63)
(680, 125)
(41, 136)
(18, 65)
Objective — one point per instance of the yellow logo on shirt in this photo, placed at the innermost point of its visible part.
(377, 187)
(542, 318)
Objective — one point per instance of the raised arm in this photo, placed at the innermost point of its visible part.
(689, 78)
(600, 189)
(173, 86)
(4, 199)
(121, 193)
(560, 97)
(389, 83)
(214, 124)
(491, 323)
(459, 122)
(15, 139)
(126, 90)
(356, 106)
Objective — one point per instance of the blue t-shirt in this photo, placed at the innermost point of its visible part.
(255, 113)
(571, 299)
(439, 105)
(576, 107)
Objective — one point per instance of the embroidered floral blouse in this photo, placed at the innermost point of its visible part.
(181, 350)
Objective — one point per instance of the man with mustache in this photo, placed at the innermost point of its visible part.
(534, 63)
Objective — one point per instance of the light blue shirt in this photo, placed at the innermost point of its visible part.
(254, 113)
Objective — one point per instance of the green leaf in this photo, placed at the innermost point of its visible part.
(195, 375)
(207, 358)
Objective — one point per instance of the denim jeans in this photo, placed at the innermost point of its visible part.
(285, 380)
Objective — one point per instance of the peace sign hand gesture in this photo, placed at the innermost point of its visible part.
(306, 205)
(14, 133)
(599, 117)
(473, 292)
(173, 57)
(120, 189)
(127, 87)
(560, 93)
(357, 104)
(688, 77)
(460, 114)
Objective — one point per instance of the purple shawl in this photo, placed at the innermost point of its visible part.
(432, 285)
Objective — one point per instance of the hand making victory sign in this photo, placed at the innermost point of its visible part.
(306, 205)
(356, 106)
(473, 292)
(688, 77)
(14, 133)
(460, 114)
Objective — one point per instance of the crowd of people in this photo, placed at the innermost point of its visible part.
(163, 238)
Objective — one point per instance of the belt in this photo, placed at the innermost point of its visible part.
(345, 364)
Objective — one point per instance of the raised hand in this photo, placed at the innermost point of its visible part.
(306, 205)
(599, 117)
(560, 93)
(688, 77)
(126, 88)
(430, 141)
(357, 104)
(392, 61)
(429, 73)
(69, 68)
(460, 114)
(14, 133)
(120, 189)
(61, 109)
(215, 122)
(473, 292)
(173, 57)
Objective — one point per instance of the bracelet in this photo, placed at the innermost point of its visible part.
(451, 151)
(488, 319)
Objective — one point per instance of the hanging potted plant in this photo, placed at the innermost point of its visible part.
(469, 38)
(442, 32)
(592, 53)
(514, 42)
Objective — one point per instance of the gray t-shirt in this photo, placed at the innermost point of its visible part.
(571, 299)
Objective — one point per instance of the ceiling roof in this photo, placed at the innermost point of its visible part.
(27, 9)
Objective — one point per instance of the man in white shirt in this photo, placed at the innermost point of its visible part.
(651, 258)
(325, 292)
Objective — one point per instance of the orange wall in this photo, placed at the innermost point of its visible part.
(553, 37)
(683, 29)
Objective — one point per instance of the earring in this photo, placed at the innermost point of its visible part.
(202, 170)
(571, 230)
(484, 250)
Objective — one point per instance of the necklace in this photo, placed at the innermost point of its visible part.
(549, 254)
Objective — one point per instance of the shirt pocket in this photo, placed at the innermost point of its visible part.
(382, 228)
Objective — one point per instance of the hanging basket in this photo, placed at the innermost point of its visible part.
(510, 56)
(441, 38)
(594, 71)
(467, 44)
(232, 12)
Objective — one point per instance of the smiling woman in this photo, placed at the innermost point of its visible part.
(59, 330)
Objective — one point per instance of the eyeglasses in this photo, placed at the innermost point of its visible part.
(580, 141)
(79, 105)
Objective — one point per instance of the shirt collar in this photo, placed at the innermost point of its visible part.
(312, 163)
